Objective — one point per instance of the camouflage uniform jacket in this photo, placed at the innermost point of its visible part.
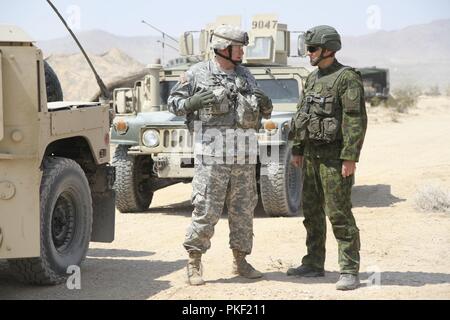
(236, 105)
(348, 109)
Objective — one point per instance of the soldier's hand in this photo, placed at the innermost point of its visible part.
(348, 168)
(262, 98)
(199, 101)
(297, 161)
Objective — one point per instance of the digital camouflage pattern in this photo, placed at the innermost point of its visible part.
(328, 128)
(227, 35)
(234, 93)
(236, 109)
(213, 186)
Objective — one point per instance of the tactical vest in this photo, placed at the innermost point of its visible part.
(320, 117)
(235, 104)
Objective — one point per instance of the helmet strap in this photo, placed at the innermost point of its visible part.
(230, 49)
(322, 57)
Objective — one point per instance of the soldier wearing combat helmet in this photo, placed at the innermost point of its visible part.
(222, 96)
(328, 134)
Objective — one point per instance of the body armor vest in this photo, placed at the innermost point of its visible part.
(235, 105)
(320, 117)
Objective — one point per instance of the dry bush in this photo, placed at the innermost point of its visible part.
(432, 198)
(433, 91)
(403, 99)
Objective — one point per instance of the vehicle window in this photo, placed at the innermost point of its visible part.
(261, 49)
(165, 87)
(280, 90)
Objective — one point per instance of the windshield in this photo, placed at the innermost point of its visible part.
(165, 87)
(280, 90)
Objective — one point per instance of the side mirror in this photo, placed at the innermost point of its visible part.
(204, 41)
(187, 44)
(301, 45)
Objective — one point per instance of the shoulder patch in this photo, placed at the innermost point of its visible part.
(353, 93)
(318, 87)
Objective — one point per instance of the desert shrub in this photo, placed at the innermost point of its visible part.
(404, 98)
(447, 92)
(432, 198)
(433, 91)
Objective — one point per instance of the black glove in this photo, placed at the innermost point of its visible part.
(199, 101)
(262, 98)
(264, 103)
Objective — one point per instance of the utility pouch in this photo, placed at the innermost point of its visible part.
(221, 106)
(247, 111)
(324, 123)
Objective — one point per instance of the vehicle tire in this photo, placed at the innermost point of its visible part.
(132, 185)
(54, 91)
(281, 186)
(66, 224)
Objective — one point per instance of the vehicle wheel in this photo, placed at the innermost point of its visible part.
(54, 91)
(66, 224)
(132, 185)
(281, 186)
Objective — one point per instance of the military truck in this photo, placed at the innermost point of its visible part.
(155, 148)
(56, 183)
(376, 84)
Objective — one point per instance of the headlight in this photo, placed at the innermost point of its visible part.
(269, 125)
(150, 138)
(121, 126)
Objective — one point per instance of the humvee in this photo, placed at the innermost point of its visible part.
(155, 149)
(56, 183)
(376, 84)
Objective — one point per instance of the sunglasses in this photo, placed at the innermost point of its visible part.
(312, 49)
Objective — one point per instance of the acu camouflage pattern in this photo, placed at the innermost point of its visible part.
(325, 191)
(213, 186)
(215, 183)
(236, 105)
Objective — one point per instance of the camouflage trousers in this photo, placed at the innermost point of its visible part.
(214, 186)
(326, 192)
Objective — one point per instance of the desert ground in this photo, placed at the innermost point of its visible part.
(405, 252)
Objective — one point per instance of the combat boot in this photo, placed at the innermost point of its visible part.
(242, 267)
(347, 282)
(194, 269)
(306, 271)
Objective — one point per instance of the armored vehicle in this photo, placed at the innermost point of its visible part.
(376, 84)
(55, 180)
(155, 148)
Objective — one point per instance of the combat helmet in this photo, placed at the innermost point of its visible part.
(323, 36)
(224, 37)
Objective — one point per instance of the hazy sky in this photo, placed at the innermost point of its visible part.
(121, 17)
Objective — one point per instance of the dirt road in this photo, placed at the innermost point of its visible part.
(405, 251)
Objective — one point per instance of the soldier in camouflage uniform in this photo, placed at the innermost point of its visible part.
(328, 134)
(222, 96)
